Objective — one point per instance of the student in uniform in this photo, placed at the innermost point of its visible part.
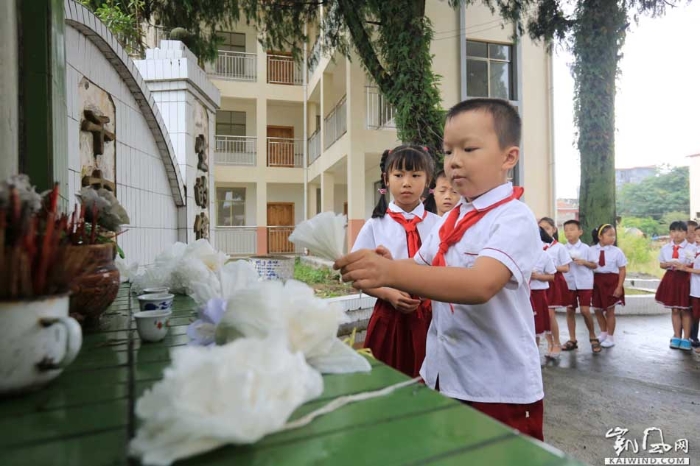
(691, 238)
(540, 283)
(580, 282)
(476, 268)
(608, 281)
(674, 289)
(694, 271)
(445, 195)
(558, 292)
(397, 329)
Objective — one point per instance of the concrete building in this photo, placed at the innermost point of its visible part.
(292, 142)
(633, 175)
(694, 185)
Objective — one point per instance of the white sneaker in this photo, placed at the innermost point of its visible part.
(607, 343)
(601, 338)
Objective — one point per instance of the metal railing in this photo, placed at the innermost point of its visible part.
(281, 69)
(380, 113)
(278, 241)
(314, 146)
(285, 152)
(336, 123)
(236, 65)
(236, 241)
(235, 150)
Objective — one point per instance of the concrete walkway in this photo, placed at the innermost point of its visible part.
(637, 384)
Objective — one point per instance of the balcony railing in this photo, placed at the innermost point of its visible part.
(235, 150)
(278, 241)
(281, 69)
(236, 65)
(380, 114)
(336, 123)
(285, 152)
(236, 241)
(314, 146)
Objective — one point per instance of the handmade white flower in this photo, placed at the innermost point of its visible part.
(323, 235)
(127, 270)
(211, 396)
(575, 255)
(309, 323)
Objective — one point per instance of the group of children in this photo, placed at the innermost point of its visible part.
(573, 276)
(464, 292)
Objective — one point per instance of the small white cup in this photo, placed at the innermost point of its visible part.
(153, 325)
(156, 301)
(156, 289)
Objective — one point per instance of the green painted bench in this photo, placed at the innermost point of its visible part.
(86, 417)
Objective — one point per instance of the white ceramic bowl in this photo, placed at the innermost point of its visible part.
(156, 301)
(156, 289)
(153, 325)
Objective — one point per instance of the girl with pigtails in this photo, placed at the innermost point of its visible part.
(398, 328)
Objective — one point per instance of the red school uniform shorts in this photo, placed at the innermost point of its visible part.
(580, 298)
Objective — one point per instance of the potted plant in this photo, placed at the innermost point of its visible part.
(39, 338)
(94, 226)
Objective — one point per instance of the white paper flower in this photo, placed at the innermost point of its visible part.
(211, 396)
(309, 323)
(575, 255)
(127, 270)
(323, 235)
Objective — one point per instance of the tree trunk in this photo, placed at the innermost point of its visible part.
(598, 38)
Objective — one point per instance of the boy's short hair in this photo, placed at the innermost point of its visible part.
(506, 120)
(573, 222)
(678, 226)
(692, 223)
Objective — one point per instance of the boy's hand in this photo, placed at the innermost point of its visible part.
(365, 268)
(401, 301)
(384, 252)
(580, 262)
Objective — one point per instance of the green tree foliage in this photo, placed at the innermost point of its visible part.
(637, 249)
(122, 18)
(647, 225)
(657, 195)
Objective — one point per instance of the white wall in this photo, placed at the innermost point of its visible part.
(142, 183)
(286, 115)
(695, 186)
(340, 197)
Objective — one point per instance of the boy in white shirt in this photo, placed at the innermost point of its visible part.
(476, 268)
(579, 278)
(691, 238)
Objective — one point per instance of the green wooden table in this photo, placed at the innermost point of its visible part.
(85, 417)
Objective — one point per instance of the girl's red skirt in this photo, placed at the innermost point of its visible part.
(604, 285)
(558, 294)
(540, 307)
(674, 290)
(398, 339)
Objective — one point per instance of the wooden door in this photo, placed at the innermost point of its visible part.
(280, 221)
(280, 146)
(345, 209)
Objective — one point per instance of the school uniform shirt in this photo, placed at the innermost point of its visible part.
(579, 277)
(387, 232)
(694, 277)
(559, 254)
(487, 352)
(614, 258)
(544, 266)
(686, 253)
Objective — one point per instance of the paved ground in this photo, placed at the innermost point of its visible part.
(637, 384)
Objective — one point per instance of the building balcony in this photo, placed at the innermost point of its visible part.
(336, 123)
(281, 69)
(238, 66)
(285, 152)
(236, 150)
(314, 146)
(243, 240)
(380, 113)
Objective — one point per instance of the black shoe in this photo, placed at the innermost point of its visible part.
(695, 343)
